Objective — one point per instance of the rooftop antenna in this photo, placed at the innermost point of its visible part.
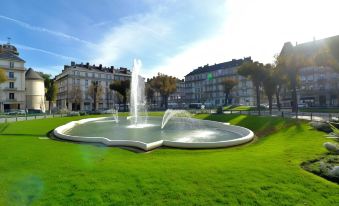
(8, 40)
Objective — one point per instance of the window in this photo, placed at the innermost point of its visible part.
(86, 83)
(78, 81)
(11, 95)
(93, 74)
(11, 74)
(11, 64)
(78, 73)
(11, 85)
(86, 74)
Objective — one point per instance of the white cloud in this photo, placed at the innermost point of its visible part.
(41, 29)
(130, 38)
(257, 29)
(46, 52)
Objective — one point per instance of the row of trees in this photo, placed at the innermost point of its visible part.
(163, 84)
(284, 72)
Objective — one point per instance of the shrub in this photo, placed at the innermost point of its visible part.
(73, 113)
(82, 113)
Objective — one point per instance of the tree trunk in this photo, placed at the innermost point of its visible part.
(49, 107)
(294, 96)
(226, 98)
(166, 101)
(270, 97)
(124, 101)
(258, 98)
(295, 101)
(277, 95)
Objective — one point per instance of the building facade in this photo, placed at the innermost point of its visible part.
(74, 86)
(14, 94)
(204, 85)
(319, 85)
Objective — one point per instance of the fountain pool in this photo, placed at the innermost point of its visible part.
(178, 133)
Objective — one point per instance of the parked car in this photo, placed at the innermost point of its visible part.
(302, 105)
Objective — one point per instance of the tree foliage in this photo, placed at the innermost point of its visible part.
(50, 88)
(269, 84)
(3, 76)
(95, 91)
(75, 95)
(165, 85)
(122, 87)
(254, 71)
(228, 85)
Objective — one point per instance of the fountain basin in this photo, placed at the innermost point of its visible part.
(179, 133)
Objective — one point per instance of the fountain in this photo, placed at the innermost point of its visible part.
(170, 113)
(138, 110)
(174, 129)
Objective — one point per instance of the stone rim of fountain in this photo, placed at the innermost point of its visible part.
(246, 136)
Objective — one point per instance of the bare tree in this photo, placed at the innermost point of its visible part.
(95, 91)
(228, 84)
(75, 96)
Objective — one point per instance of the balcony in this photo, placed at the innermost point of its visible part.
(11, 100)
(11, 78)
(10, 89)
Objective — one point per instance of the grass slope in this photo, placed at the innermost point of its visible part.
(35, 171)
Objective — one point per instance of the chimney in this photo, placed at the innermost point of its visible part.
(72, 63)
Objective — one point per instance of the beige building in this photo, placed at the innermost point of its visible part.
(22, 90)
(319, 84)
(12, 92)
(35, 91)
(204, 85)
(75, 81)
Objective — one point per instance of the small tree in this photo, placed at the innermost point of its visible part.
(95, 91)
(165, 85)
(253, 71)
(149, 91)
(228, 84)
(122, 87)
(269, 84)
(3, 77)
(75, 95)
(50, 89)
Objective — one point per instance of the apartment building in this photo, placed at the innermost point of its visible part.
(204, 84)
(75, 81)
(12, 94)
(23, 89)
(319, 85)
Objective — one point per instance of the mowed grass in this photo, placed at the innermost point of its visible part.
(38, 171)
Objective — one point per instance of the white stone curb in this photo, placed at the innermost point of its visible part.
(247, 135)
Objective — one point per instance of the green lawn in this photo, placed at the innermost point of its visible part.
(38, 171)
(242, 108)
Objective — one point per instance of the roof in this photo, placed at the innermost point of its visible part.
(312, 47)
(10, 56)
(225, 65)
(31, 74)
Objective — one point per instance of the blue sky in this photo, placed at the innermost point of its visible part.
(169, 36)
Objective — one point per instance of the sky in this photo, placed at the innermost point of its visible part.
(169, 36)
